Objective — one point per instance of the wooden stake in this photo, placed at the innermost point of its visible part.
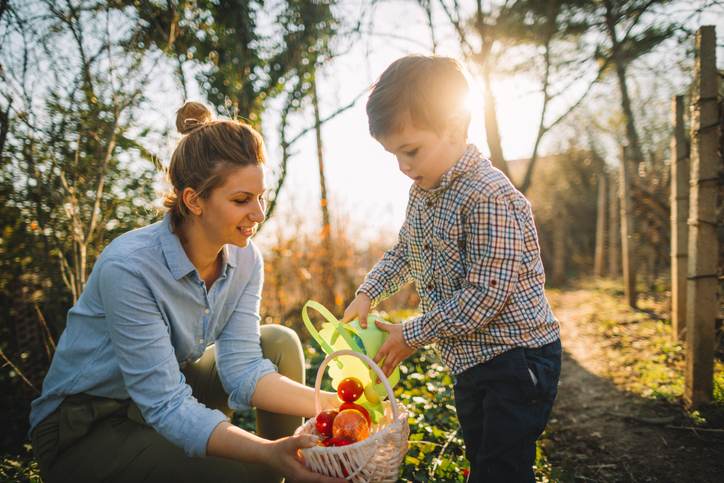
(679, 214)
(629, 274)
(702, 286)
(600, 254)
(614, 228)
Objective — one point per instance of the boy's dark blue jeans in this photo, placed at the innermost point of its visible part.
(502, 412)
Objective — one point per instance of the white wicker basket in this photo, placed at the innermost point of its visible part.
(374, 459)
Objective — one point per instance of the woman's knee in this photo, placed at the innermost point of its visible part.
(282, 346)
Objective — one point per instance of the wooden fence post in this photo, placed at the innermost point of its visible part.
(627, 231)
(679, 214)
(600, 254)
(614, 213)
(701, 298)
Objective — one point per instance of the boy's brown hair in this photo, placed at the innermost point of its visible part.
(431, 89)
(205, 154)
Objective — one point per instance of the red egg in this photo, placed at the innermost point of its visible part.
(350, 389)
(324, 422)
(338, 442)
(351, 405)
(350, 424)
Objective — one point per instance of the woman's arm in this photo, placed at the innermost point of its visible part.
(278, 394)
(248, 378)
(232, 442)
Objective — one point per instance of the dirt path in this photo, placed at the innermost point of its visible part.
(600, 432)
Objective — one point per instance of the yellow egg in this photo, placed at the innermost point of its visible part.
(371, 394)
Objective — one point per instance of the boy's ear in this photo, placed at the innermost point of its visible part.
(458, 127)
(191, 199)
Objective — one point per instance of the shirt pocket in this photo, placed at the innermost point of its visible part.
(449, 264)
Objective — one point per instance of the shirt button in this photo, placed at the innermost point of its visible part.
(429, 203)
(430, 286)
(206, 311)
(427, 246)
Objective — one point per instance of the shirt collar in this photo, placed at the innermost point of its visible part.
(176, 259)
(470, 158)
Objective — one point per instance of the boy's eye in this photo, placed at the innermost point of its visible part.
(411, 152)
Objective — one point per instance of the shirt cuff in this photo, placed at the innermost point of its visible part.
(207, 422)
(373, 289)
(414, 332)
(240, 398)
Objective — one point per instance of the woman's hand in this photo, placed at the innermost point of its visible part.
(284, 454)
(359, 308)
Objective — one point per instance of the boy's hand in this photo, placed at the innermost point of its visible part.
(394, 350)
(359, 307)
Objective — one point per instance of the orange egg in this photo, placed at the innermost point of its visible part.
(350, 424)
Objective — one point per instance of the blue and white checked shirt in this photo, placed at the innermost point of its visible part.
(471, 247)
(144, 311)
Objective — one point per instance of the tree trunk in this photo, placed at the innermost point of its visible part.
(559, 252)
(679, 214)
(702, 303)
(620, 65)
(600, 254)
(492, 133)
(326, 241)
(627, 231)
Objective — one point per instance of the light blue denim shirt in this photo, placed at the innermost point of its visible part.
(144, 311)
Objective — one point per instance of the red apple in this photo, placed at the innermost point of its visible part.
(350, 389)
(324, 421)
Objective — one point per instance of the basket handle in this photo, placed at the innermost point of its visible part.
(369, 362)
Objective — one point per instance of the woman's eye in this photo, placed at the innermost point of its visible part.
(242, 202)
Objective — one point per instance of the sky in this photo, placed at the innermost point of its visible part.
(366, 190)
(365, 187)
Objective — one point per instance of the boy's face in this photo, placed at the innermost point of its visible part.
(424, 155)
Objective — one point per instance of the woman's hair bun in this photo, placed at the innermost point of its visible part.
(191, 115)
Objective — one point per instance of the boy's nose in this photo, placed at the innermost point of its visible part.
(403, 166)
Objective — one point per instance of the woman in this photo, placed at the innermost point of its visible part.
(132, 393)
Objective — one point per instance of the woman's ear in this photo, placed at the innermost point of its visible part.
(190, 198)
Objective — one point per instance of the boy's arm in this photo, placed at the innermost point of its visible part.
(390, 274)
(494, 248)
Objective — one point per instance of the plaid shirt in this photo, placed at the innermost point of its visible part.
(471, 247)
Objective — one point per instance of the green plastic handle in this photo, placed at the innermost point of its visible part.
(338, 326)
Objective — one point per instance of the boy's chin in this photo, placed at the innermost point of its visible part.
(426, 184)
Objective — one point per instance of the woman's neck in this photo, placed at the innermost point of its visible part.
(204, 254)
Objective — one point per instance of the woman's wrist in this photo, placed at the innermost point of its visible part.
(265, 452)
(329, 400)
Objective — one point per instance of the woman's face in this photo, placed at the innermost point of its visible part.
(234, 209)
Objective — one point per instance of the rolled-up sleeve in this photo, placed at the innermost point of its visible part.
(494, 248)
(147, 361)
(238, 347)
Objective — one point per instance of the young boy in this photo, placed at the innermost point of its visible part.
(470, 245)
